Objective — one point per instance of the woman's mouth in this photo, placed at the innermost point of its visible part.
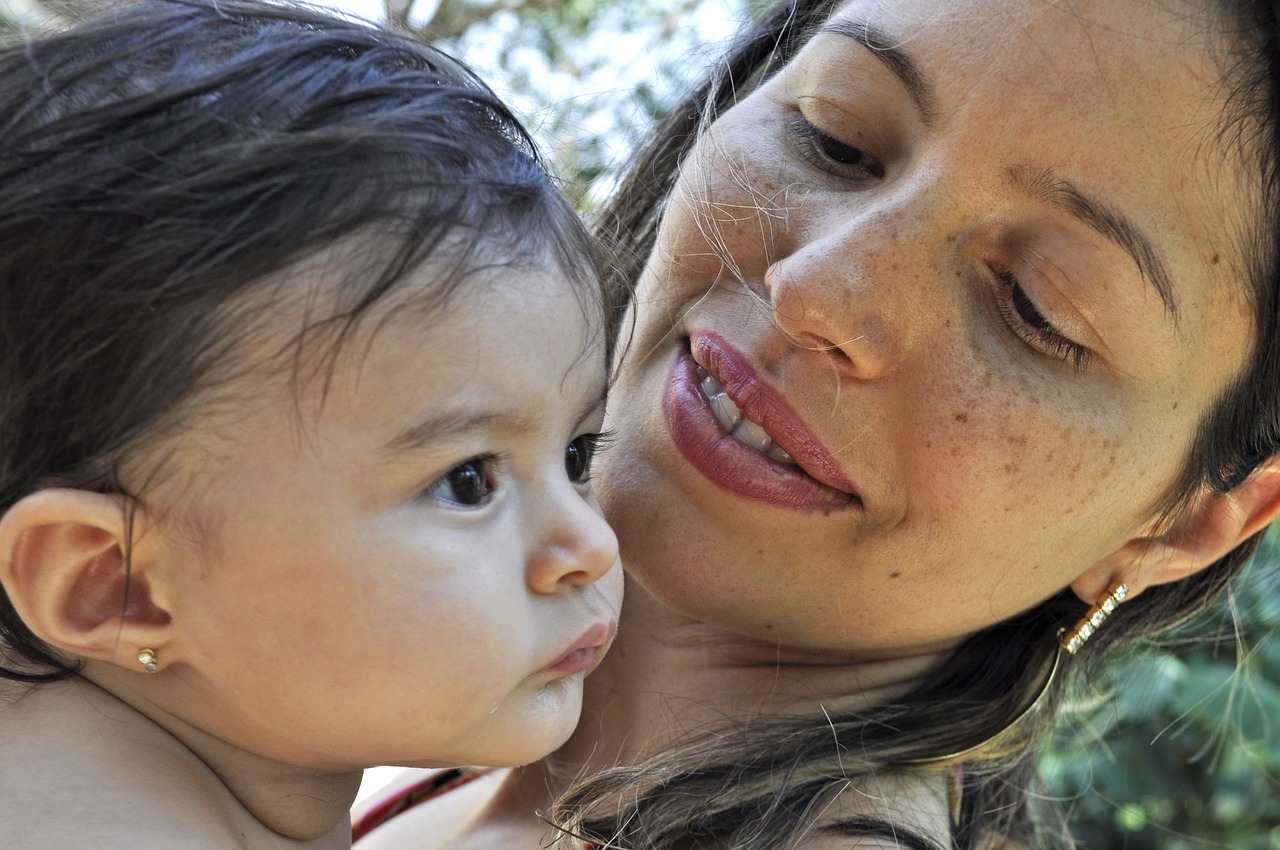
(741, 435)
(734, 423)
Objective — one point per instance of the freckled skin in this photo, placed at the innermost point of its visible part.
(993, 472)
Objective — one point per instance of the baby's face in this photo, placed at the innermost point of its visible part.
(408, 567)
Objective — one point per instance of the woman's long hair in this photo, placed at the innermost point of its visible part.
(758, 784)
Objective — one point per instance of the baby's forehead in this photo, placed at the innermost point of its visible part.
(329, 309)
(513, 342)
(366, 280)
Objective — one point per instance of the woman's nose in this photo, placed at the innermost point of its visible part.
(576, 548)
(862, 290)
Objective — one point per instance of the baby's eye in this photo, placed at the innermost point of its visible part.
(468, 484)
(579, 454)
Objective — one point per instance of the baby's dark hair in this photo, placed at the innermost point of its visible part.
(159, 163)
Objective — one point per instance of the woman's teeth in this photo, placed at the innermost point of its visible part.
(734, 423)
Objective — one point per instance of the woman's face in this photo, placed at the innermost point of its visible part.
(976, 268)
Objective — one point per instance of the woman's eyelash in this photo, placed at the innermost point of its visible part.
(1030, 325)
(601, 441)
(827, 153)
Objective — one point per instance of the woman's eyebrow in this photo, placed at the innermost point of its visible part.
(1043, 185)
(888, 51)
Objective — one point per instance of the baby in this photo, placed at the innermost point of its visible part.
(302, 368)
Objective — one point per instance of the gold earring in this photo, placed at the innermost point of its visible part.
(147, 658)
(1097, 615)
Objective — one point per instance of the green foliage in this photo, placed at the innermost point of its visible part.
(1180, 747)
(8, 26)
(590, 76)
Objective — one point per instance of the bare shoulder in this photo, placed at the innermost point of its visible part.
(75, 763)
(391, 782)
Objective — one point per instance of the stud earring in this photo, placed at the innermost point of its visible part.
(147, 658)
(1097, 615)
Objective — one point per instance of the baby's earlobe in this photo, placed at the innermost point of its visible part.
(64, 568)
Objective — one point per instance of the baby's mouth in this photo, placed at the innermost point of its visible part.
(734, 423)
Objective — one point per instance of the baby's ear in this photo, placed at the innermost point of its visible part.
(63, 565)
(1214, 525)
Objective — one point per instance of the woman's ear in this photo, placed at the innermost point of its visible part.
(1214, 525)
(64, 566)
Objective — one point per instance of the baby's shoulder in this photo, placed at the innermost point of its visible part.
(75, 766)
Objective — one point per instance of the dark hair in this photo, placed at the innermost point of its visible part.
(756, 785)
(159, 162)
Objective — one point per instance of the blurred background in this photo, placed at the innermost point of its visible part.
(1176, 748)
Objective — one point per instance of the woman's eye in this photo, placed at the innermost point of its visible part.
(579, 454)
(1024, 306)
(832, 154)
(1029, 324)
(468, 484)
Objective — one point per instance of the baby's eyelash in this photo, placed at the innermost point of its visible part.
(593, 445)
(469, 484)
(1030, 325)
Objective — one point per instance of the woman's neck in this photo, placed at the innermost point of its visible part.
(669, 677)
(666, 678)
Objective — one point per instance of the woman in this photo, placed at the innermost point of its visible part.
(992, 284)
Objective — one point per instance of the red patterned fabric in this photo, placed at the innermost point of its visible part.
(407, 798)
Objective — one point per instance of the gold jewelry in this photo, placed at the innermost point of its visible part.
(147, 658)
(1067, 641)
(1097, 615)
(960, 755)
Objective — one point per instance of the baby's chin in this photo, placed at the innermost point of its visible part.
(529, 725)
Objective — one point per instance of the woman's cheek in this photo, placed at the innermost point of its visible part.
(726, 215)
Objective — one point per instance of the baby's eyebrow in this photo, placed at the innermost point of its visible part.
(594, 405)
(450, 424)
(443, 425)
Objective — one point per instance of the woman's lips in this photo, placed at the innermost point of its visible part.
(586, 652)
(813, 482)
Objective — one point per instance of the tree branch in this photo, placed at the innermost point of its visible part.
(453, 18)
